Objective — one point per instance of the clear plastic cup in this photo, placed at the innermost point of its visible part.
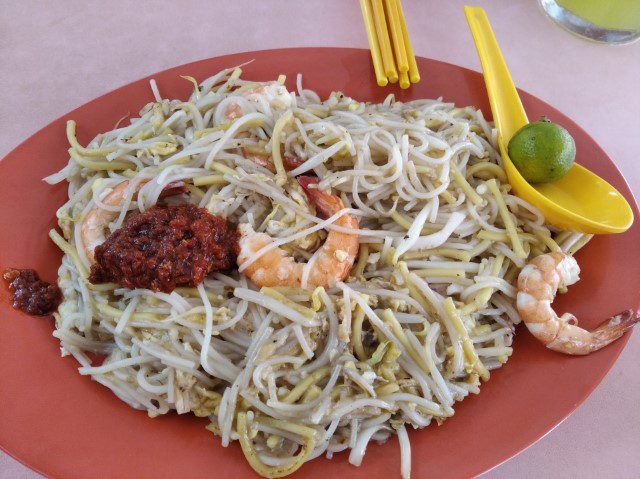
(604, 21)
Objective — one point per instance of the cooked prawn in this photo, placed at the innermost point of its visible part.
(538, 284)
(331, 263)
(274, 94)
(95, 222)
(289, 162)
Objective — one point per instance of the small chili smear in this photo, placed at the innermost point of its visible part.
(31, 294)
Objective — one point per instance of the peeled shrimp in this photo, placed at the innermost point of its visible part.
(95, 222)
(538, 284)
(331, 263)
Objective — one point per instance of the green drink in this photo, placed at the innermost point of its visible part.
(607, 21)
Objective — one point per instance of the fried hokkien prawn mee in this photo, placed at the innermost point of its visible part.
(379, 249)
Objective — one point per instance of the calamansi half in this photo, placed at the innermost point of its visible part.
(542, 151)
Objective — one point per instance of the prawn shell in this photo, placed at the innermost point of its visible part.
(274, 268)
(574, 340)
(547, 266)
(546, 332)
(531, 281)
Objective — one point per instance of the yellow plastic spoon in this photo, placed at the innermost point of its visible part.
(580, 201)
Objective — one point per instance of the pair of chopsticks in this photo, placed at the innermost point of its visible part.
(392, 55)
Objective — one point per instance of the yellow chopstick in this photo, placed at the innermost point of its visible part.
(414, 76)
(383, 39)
(386, 26)
(403, 80)
(396, 35)
(369, 26)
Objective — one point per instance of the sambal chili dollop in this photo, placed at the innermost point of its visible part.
(165, 247)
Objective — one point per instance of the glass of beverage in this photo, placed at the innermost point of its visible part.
(605, 21)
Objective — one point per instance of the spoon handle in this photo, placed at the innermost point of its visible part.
(508, 113)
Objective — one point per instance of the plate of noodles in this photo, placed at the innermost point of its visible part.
(267, 265)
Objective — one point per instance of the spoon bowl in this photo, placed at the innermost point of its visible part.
(580, 201)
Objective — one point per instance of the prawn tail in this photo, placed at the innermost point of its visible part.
(613, 328)
(326, 203)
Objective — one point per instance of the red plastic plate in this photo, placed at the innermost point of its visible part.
(65, 425)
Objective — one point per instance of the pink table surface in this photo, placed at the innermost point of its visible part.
(57, 55)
